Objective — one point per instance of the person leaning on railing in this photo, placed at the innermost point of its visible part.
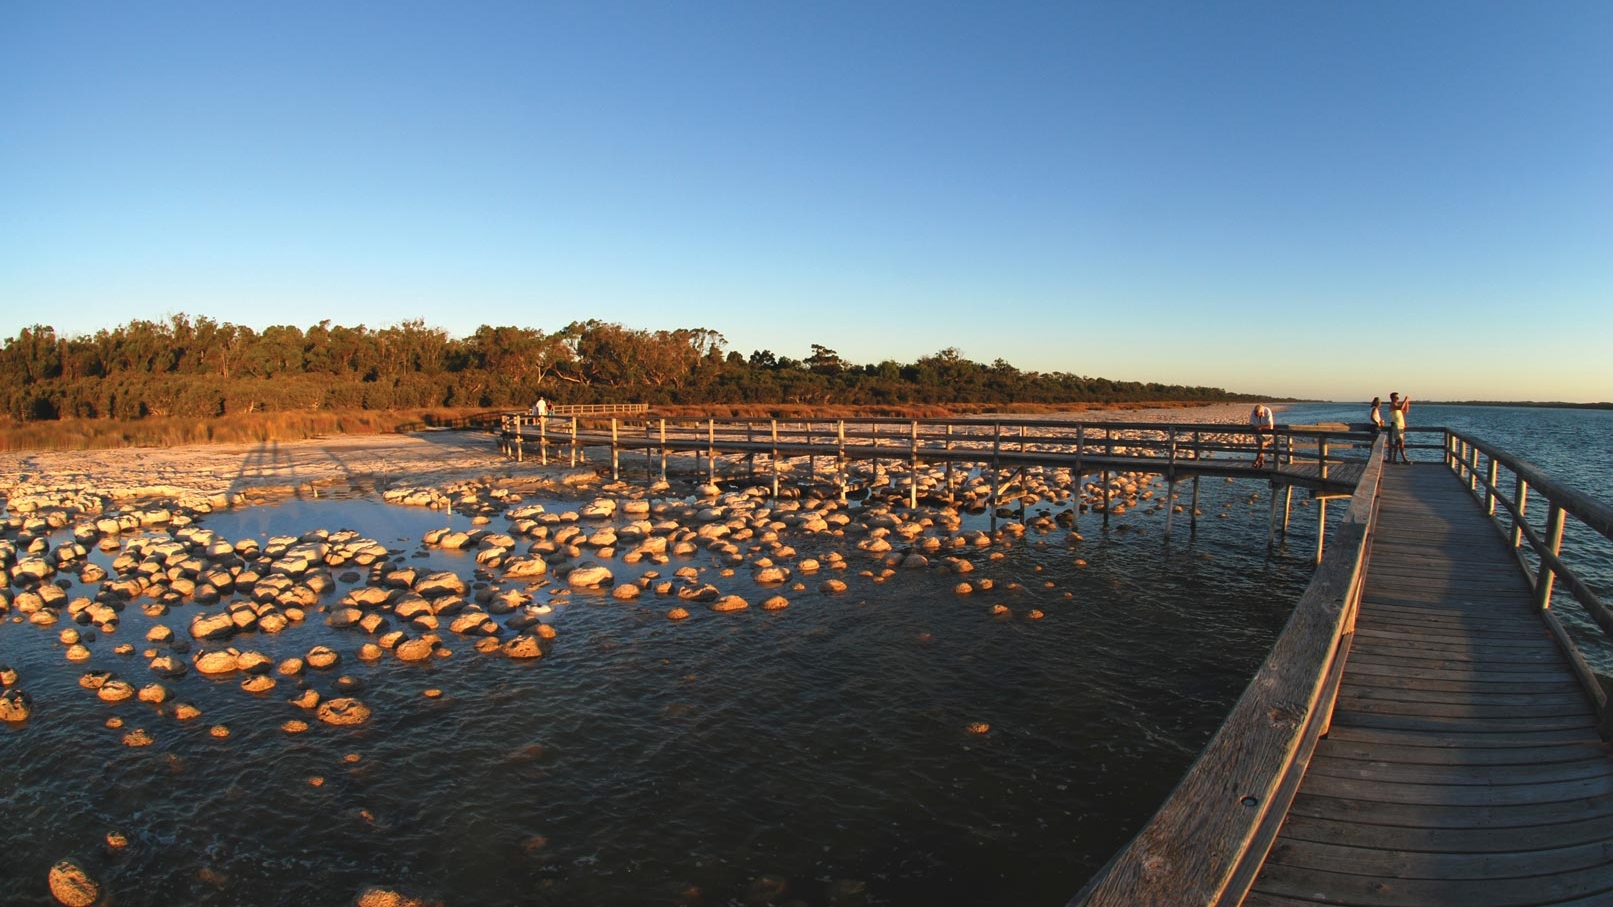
(1263, 422)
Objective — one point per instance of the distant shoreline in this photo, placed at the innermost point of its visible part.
(1534, 404)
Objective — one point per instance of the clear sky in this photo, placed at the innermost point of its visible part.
(1316, 199)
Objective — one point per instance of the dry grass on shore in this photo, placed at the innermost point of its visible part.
(246, 428)
(254, 428)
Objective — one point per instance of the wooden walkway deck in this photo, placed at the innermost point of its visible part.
(1463, 766)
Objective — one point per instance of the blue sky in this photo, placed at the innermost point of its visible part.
(1298, 199)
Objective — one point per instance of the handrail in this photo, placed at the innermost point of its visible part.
(1205, 844)
(1174, 440)
(1479, 465)
(588, 409)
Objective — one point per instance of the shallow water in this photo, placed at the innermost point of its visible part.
(816, 755)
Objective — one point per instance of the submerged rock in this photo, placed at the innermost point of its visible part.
(15, 706)
(343, 712)
(72, 885)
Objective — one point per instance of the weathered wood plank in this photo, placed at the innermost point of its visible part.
(1520, 838)
(1485, 709)
(1369, 813)
(1375, 891)
(1459, 739)
(1382, 768)
(1463, 766)
(1528, 695)
(1383, 791)
(1435, 725)
(1407, 751)
(1424, 864)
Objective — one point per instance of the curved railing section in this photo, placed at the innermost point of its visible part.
(1205, 845)
(1505, 486)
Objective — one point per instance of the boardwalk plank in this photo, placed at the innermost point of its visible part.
(1521, 838)
(1384, 769)
(1375, 891)
(1463, 765)
(1422, 864)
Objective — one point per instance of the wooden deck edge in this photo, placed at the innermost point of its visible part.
(1193, 852)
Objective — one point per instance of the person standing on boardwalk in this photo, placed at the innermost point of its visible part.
(1397, 426)
(541, 408)
(1377, 414)
(1263, 423)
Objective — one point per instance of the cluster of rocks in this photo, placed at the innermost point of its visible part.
(163, 560)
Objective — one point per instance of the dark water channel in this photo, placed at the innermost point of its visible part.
(815, 755)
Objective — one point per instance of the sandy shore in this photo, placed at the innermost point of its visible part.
(345, 464)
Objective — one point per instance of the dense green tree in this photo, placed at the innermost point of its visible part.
(202, 368)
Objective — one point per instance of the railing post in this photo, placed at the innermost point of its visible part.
(1170, 484)
(996, 451)
(840, 460)
(1545, 578)
(1108, 451)
(615, 453)
(913, 471)
(1521, 494)
(711, 450)
(543, 440)
(775, 458)
(574, 442)
(1489, 488)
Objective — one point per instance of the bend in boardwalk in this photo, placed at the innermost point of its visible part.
(1463, 766)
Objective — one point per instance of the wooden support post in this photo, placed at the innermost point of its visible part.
(1521, 495)
(1321, 526)
(750, 458)
(574, 442)
(543, 440)
(996, 451)
(1193, 517)
(663, 450)
(775, 459)
(1271, 529)
(1019, 477)
(840, 459)
(615, 453)
(812, 461)
(1546, 577)
(1170, 503)
(1108, 451)
(951, 499)
(1288, 506)
(1170, 485)
(711, 450)
(1489, 493)
(519, 451)
(1080, 475)
(913, 471)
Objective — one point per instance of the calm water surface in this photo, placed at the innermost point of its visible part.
(815, 756)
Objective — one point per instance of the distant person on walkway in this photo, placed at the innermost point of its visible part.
(541, 408)
(1263, 422)
(1377, 414)
(1397, 426)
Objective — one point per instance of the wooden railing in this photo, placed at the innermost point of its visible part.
(1205, 845)
(939, 440)
(1504, 486)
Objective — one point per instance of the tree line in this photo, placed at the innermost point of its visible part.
(205, 368)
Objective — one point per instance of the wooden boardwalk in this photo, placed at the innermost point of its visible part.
(1463, 766)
